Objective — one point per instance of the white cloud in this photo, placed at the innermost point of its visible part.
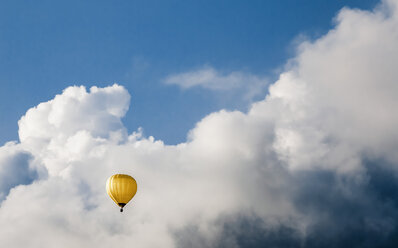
(62, 129)
(247, 84)
(294, 159)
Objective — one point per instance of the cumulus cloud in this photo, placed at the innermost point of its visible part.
(314, 164)
(247, 84)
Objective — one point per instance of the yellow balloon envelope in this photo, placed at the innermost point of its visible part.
(121, 188)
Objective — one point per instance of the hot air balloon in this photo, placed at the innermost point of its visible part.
(121, 188)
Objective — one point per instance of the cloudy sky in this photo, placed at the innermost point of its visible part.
(245, 123)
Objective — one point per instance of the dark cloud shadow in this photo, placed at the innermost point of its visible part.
(343, 211)
(15, 171)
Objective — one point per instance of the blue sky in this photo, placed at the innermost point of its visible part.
(46, 46)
